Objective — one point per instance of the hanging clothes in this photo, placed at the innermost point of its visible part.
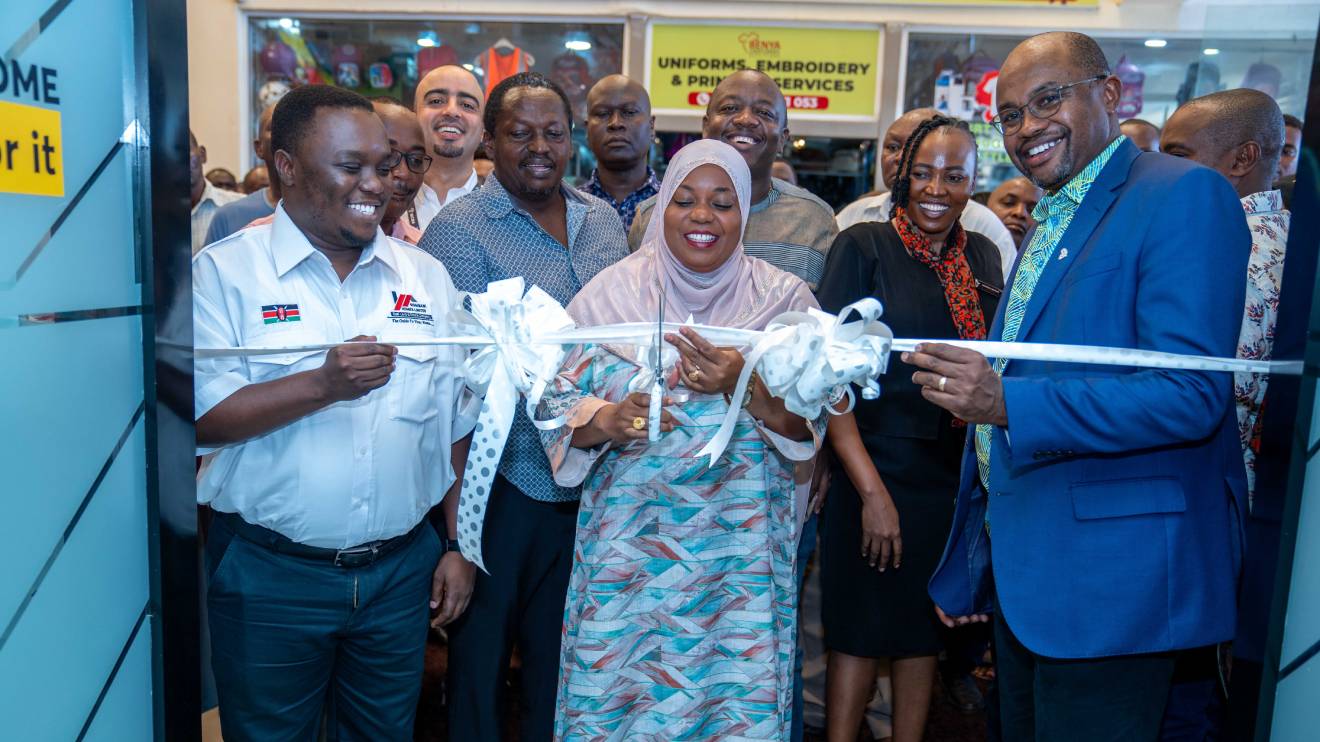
(501, 61)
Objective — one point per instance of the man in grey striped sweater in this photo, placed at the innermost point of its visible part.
(788, 227)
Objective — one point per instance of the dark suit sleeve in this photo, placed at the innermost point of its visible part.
(849, 267)
(1191, 274)
(460, 253)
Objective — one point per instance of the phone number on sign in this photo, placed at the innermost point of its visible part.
(795, 102)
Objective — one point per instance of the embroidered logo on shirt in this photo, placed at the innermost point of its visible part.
(272, 313)
(407, 310)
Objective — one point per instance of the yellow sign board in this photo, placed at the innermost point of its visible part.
(827, 73)
(31, 153)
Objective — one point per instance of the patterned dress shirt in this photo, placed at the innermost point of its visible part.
(1053, 215)
(484, 237)
(627, 208)
(1269, 222)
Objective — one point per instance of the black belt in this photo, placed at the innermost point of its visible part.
(357, 556)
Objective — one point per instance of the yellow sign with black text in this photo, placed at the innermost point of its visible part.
(31, 153)
(823, 72)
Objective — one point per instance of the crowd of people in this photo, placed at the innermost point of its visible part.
(646, 594)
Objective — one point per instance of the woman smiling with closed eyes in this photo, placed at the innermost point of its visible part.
(682, 604)
(901, 457)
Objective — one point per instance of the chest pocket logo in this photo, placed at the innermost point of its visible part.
(407, 310)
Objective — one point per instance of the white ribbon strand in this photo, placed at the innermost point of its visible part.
(808, 359)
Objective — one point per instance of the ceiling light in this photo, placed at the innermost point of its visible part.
(468, 66)
(577, 46)
(428, 39)
(1156, 43)
(286, 23)
(423, 41)
(1210, 52)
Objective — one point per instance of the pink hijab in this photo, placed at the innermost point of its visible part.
(744, 292)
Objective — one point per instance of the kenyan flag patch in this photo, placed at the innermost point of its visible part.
(272, 313)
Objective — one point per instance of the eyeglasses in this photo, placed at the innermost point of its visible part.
(418, 162)
(1042, 105)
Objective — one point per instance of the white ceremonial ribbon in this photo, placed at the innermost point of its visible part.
(809, 360)
(512, 362)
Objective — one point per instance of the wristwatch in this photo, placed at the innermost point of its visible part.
(450, 544)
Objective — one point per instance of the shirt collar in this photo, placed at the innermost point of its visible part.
(593, 185)
(208, 194)
(290, 247)
(499, 204)
(1263, 202)
(769, 200)
(1070, 196)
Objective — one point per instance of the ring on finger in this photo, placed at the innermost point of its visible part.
(695, 374)
(943, 380)
(639, 423)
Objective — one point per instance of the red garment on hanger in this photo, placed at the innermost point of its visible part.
(499, 65)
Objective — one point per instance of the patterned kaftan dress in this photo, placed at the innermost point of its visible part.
(681, 614)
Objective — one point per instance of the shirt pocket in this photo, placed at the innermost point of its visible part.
(413, 395)
(269, 366)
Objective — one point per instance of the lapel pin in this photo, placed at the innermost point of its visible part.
(1063, 253)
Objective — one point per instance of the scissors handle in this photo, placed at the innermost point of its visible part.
(653, 424)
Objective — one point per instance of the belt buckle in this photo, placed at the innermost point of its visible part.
(371, 549)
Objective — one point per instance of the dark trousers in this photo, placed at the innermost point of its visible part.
(293, 640)
(1107, 699)
(528, 548)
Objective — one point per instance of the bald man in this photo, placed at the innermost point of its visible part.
(234, 216)
(1013, 201)
(975, 217)
(1240, 134)
(1099, 512)
(789, 227)
(1143, 133)
(620, 128)
(449, 105)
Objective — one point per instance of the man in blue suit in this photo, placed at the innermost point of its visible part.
(1099, 515)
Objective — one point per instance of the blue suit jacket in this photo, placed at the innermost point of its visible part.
(1116, 496)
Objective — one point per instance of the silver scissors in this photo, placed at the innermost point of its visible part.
(658, 368)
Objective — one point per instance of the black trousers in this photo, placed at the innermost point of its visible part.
(1106, 699)
(528, 548)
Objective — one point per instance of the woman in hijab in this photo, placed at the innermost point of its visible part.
(935, 280)
(681, 614)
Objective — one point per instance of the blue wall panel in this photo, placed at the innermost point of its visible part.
(125, 713)
(75, 636)
(54, 666)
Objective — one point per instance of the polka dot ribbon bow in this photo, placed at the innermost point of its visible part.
(515, 362)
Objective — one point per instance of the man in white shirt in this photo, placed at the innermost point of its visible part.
(206, 198)
(449, 105)
(323, 467)
(975, 217)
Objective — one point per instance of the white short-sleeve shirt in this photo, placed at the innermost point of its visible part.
(975, 218)
(354, 471)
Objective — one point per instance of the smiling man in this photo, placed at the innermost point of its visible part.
(620, 128)
(405, 136)
(789, 227)
(449, 104)
(322, 466)
(1113, 495)
(975, 218)
(524, 221)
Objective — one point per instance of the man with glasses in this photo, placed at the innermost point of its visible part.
(322, 466)
(1112, 495)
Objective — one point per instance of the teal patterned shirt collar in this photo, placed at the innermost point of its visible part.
(1070, 196)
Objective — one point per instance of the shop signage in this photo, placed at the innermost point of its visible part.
(30, 151)
(829, 73)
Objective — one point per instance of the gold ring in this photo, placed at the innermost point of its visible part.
(943, 380)
(639, 423)
(695, 374)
